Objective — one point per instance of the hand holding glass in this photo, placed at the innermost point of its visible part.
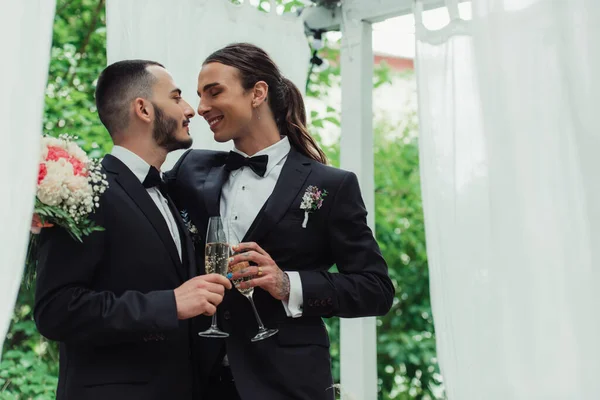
(216, 258)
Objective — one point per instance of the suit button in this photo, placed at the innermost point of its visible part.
(227, 315)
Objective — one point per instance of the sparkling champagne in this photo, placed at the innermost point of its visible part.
(245, 291)
(216, 256)
(239, 266)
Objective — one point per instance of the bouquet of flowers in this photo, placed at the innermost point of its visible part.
(69, 186)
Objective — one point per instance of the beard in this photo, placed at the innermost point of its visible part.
(164, 132)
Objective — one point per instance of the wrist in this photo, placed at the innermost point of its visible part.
(286, 287)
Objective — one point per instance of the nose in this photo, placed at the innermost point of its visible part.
(203, 108)
(188, 110)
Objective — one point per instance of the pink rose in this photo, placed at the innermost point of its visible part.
(42, 173)
(55, 153)
(78, 167)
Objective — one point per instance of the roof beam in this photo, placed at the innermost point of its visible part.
(320, 18)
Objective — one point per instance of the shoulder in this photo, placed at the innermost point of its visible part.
(205, 157)
(196, 160)
(333, 175)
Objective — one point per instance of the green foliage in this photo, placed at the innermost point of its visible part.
(29, 367)
(407, 366)
(76, 228)
(78, 57)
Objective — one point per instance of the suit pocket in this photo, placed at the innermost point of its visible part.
(301, 335)
(293, 215)
(111, 375)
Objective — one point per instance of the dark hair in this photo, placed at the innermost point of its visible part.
(118, 85)
(284, 98)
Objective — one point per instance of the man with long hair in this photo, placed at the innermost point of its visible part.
(295, 218)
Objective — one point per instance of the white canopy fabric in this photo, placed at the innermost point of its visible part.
(25, 39)
(509, 143)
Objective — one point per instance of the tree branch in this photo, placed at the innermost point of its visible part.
(63, 7)
(86, 39)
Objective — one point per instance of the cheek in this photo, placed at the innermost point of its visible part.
(240, 114)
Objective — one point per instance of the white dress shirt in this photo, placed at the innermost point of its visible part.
(140, 169)
(243, 196)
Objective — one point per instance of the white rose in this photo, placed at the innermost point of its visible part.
(52, 190)
(76, 152)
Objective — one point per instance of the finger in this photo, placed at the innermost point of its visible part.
(214, 298)
(263, 282)
(251, 271)
(250, 246)
(250, 256)
(213, 288)
(209, 310)
(215, 278)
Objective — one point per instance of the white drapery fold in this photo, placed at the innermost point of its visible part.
(25, 37)
(181, 34)
(512, 205)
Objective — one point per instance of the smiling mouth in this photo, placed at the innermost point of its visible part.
(213, 121)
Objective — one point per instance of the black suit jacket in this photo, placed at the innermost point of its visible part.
(295, 363)
(109, 301)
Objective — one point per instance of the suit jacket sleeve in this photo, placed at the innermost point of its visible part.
(362, 287)
(68, 309)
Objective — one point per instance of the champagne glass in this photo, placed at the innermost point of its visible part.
(263, 332)
(216, 256)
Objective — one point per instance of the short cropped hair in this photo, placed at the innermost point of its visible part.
(118, 85)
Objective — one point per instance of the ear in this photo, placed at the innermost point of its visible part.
(143, 109)
(259, 93)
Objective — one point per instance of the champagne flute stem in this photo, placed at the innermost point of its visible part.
(260, 324)
(214, 321)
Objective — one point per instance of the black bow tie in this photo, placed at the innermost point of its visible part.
(153, 179)
(258, 164)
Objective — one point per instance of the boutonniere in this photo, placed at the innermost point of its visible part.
(190, 226)
(312, 201)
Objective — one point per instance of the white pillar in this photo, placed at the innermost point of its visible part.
(358, 343)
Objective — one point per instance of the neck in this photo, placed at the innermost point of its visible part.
(146, 149)
(259, 137)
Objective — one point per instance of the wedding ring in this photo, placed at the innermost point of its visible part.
(259, 271)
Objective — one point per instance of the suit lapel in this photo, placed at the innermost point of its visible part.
(187, 247)
(293, 175)
(134, 189)
(212, 189)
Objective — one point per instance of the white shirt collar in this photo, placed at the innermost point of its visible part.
(135, 163)
(276, 153)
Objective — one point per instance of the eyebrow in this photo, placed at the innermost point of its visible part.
(176, 90)
(208, 86)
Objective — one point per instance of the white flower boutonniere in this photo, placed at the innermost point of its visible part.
(312, 201)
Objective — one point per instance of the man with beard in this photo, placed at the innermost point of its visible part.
(120, 303)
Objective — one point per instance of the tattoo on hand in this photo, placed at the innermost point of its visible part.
(284, 287)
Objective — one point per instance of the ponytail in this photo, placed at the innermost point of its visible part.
(292, 121)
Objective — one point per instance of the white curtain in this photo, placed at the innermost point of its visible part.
(509, 155)
(25, 39)
(181, 34)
